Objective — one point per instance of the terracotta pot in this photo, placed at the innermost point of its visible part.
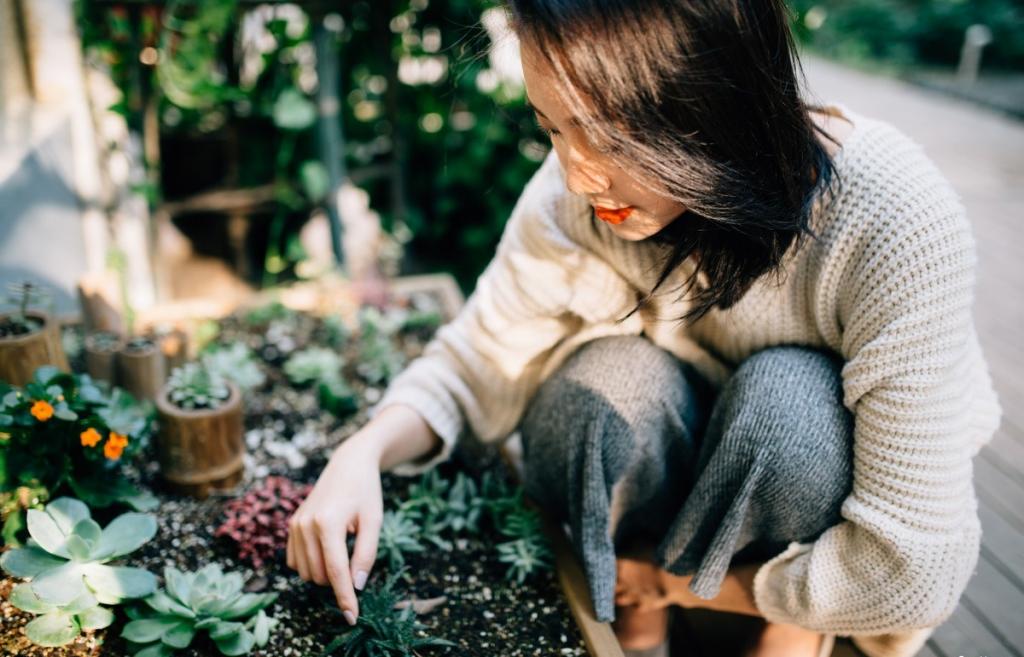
(200, 451)
(21, 355)
(101, 349)
(141, 368)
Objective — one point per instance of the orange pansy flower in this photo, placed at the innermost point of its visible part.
(90, 437)
(118, 439)
(112, 450)
(41, 410)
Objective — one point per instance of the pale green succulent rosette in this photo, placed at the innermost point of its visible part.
(66, 561)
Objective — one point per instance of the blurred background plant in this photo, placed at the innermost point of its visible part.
(231, 88)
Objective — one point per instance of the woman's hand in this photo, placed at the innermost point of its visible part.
(346, 500)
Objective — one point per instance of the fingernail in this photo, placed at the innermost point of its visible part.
(350, 617)
(361, 576)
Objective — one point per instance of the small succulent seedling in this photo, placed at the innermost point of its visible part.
(313, 365)
(22, 295)
(379, 360)
(192, 386)
(381, 630)
(209, 600)
(528, 550)
(399, 535)
(234, 363)
(67, 563)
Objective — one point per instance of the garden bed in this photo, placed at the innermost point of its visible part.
(287, 434)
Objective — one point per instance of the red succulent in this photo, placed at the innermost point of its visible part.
(258, 521)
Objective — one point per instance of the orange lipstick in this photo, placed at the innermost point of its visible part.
(615, 217)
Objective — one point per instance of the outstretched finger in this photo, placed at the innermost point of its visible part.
(364, 554)
(335, 553)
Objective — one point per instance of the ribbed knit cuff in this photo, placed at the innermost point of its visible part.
(445, 421)
(770, 589)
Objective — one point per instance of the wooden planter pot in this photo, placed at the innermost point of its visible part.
(21, 355)
(101, 349)
(141, 368)
(200, 451)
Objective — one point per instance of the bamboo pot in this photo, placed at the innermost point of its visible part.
(200, 451)
(101, 359)
(141, 368)
(22, 355)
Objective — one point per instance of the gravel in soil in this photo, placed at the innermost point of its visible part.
(287, 434)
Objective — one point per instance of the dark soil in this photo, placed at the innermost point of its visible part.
(287, 434)
(11, 328)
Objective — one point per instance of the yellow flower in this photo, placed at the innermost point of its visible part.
(120, 440)
(41, 410)
(90, 437)
(112, 450)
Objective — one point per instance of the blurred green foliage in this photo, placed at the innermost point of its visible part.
(235, 83)
(908, 33)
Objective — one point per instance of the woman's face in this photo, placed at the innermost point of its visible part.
(631, 210)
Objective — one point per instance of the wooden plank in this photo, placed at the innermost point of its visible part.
(964, 634)
(599, 637)
(1002, 544)
(998, 491)
(997, 604)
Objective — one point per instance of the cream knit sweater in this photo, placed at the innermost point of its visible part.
(889, 287)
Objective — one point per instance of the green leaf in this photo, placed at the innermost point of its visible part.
(148, 629)
(315, 181)
(247, 604)
(53, 629)
(236, 644)
(178, 585)
(293, 111)
(223, 630)
(15, 521)
(60, 585)
(261, 628)
(165, 604)
(125, 534)
(47, 532)
(78, 548)
(120, 581)
(96, 618)
(25, 599)
(88, 529)
(28, 561)
(142, 500)
(62, 412)
(180, 635)
(156, 650)
(44, 373)
(81, 604)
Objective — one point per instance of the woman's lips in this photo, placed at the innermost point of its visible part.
(613, 216)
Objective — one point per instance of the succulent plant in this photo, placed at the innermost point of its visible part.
(399, 535)
(379, 360)
(67, 563)
(235, 363)
(322, 367)
(381, 630)
(258, 521)
(528, 551)
(193, 386)
(209, 600)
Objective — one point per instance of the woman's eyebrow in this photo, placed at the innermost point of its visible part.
(573, 121)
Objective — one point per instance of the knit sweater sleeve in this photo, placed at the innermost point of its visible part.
(483, 366)
(910, 534)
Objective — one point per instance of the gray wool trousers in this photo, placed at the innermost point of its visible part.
(625, 443)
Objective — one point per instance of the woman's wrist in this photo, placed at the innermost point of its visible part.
(397, 434)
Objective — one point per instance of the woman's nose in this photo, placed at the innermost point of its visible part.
(583, 177)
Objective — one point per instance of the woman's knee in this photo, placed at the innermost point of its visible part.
(783, 409)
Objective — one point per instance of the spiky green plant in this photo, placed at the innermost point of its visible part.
(235, 363)
(209, 600)
(465, 504)
(67, 563)
(527, 552)
(379, 360)
(193, 386)
(383, 631)
(399, 535)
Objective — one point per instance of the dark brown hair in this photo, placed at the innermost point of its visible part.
(701, 98)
